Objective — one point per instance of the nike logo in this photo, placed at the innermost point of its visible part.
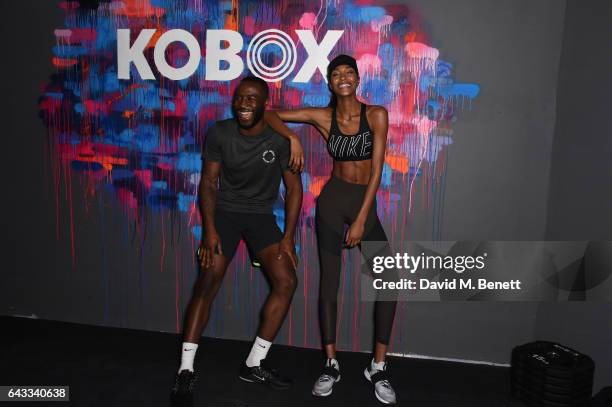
(187, 350)
(261, 346)
(258, 377)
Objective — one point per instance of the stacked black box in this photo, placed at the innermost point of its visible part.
(546, 374)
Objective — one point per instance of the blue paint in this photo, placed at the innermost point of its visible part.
(359, 14)
(197, 232)
(385, 178)
(111, 82)
(315, 99)
(74, 87)
(375, 90)
(280, 218)
(159, 185)
(120, 174)
(386, 53)
(185, 201)
(189, 162)
(69, 51)
(54, 95)
(106, 34)
(469, 90)
(443, 68)
(85, 166)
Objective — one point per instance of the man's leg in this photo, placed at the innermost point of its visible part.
(204, 292)
(283, 283)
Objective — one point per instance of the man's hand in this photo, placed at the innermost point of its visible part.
(296, 161)
(287, 247)
(210, 245)
(354, 234)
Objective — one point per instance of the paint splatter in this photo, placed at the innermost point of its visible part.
(143, 139)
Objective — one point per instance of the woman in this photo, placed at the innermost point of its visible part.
(356, 136)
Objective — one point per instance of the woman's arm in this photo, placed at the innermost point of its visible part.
(380, 125)
(276, 119)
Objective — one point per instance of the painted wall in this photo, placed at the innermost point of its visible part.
(90, 249)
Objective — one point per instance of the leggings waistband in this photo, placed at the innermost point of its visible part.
(340, 183)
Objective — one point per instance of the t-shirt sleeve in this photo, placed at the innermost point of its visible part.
(285, 154)
(212, 147)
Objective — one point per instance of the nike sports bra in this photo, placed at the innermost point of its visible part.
(357, 147)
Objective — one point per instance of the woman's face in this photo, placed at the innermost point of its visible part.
(343, 80)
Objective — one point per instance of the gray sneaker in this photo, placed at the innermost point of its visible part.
(324, 385)
(382, 388)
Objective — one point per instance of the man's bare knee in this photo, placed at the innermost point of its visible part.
(285, 284)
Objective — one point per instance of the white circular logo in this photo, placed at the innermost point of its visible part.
(259, 42)
(268, 156)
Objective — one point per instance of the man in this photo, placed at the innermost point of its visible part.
(244, 161)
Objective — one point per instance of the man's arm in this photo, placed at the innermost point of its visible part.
(208, 199)
(293, 204)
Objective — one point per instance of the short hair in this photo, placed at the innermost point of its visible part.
(262, 84)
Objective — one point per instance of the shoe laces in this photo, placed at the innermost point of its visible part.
(266, 371)
(383, 378)
(329, 373)
(385, 383)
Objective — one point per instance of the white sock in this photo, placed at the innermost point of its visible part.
(259, 351)
(333, 363)
(188, 355)
(377, 366)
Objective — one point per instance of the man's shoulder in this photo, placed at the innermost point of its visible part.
(280, 140)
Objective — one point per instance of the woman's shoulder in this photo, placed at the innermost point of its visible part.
(375, 110)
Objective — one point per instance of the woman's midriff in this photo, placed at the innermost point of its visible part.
(355, 172)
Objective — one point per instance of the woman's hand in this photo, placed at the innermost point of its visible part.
(296, 162)
(354, 234)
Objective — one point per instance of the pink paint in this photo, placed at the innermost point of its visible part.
(418, 50)
(369, 64)
(94, 107)
(69, 5)
(83, 34)
(126, 197)
(308, 21)
(145, 177)
(249, 25)
(381, 25)
(308, 203)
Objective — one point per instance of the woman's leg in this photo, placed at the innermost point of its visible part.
(384, 309)
(329, 224)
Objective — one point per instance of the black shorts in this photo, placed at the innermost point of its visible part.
(259, 230)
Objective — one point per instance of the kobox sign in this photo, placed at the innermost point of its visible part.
(318, 54)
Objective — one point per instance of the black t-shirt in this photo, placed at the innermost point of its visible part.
(251, 166)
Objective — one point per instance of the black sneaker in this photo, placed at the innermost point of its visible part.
(184, 383)
(265, 375)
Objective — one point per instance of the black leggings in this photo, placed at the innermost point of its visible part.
(339, 203)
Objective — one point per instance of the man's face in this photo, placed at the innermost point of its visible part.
(248, 104)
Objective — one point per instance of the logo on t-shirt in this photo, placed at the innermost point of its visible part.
(268, 156)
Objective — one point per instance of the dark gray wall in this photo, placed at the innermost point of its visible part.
(580, 194)
(581, 164)
(496, 189)
(499, 163)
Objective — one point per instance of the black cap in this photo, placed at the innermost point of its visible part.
(341, 59)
